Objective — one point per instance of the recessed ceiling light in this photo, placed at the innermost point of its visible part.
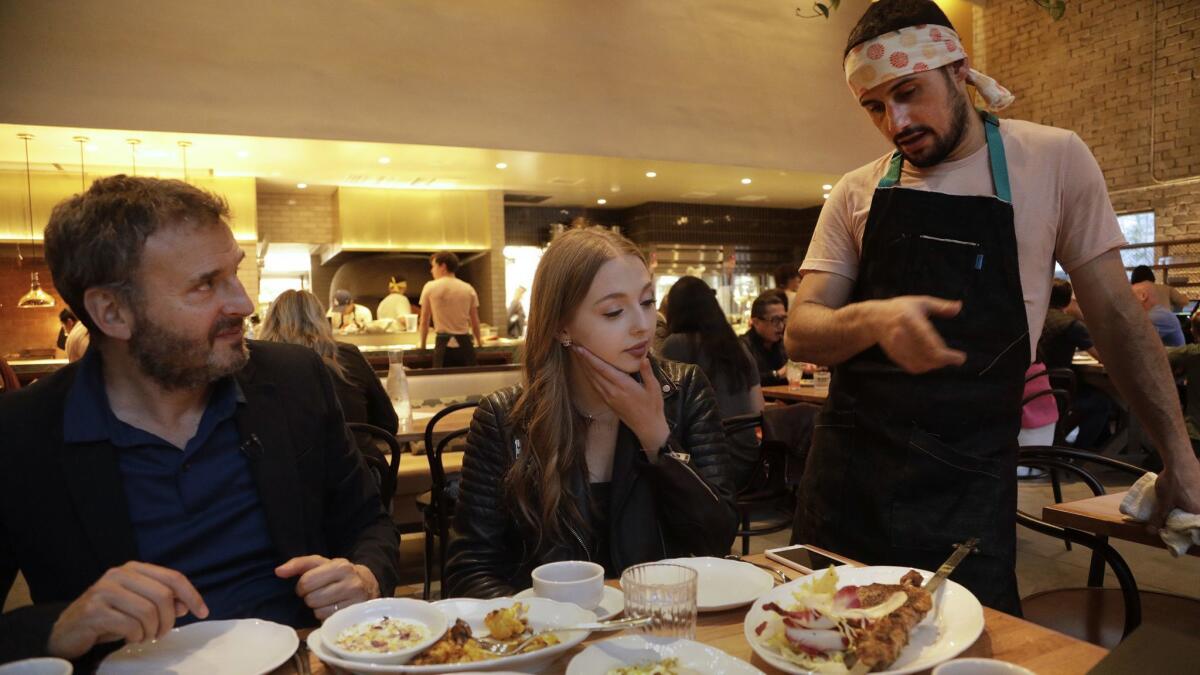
(501, 165)
(302, 185)
(825, 196)
(746, 181)
(615, 188)
(601, 201)
(651, 174)
(243, 154)
(385, 160)
(827, 186)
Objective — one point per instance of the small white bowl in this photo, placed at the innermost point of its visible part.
(407, 609)
(980, 667)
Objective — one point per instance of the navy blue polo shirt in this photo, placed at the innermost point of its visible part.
(195, 510)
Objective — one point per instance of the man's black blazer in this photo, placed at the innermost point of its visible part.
(64, 519)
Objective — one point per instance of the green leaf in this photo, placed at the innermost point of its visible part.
(833, 4)
(822, 9)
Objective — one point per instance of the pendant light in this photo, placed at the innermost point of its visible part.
(183, 146)
(82, 180)
(133, 143)
(36, 297)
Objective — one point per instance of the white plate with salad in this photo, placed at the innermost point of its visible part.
(811, 624)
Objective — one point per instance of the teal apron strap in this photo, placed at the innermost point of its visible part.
(991, 129)
(892, 177)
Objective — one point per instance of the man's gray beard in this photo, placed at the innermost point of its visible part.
(174, 361)
(944, 145)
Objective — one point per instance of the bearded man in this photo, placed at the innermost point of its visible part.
(176, 472)
(925, 288)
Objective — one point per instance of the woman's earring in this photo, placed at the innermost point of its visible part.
(566, 342)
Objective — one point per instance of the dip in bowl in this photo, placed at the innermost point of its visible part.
(384, 630)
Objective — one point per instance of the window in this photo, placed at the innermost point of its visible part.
(1138, 228)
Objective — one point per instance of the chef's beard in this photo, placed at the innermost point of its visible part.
(943, 144)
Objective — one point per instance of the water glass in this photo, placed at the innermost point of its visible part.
(795, 374)
(665, 593)
(821, 378)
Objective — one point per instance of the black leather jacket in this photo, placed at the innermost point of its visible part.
(678, 507)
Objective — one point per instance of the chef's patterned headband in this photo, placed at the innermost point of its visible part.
(912, 50)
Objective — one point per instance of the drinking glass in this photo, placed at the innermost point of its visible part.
(821, 378)
(795, 374)
(665, 593)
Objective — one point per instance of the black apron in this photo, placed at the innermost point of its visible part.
(903, 466)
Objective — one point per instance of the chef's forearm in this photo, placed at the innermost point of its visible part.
(826, 336)
(1136, 363)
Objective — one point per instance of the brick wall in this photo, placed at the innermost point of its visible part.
(296, 217)
(1123, 75)
(25, 328)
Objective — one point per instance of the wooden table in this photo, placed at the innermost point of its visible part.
(792, 394)
(1101, 515)
(459, 419)
(1004, 637)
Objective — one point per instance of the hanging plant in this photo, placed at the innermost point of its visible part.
(1055, 8)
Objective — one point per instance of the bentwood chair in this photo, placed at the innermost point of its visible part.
(1102, 616)
(437, 505)
(766, 504)
(371, 440)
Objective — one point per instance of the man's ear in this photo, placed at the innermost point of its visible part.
(112, 316)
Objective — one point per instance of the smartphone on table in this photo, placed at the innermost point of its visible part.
(806, 559)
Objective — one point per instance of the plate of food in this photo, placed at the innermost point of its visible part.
(828, 621)
(460, 650)
(724, 584)
(649, 655)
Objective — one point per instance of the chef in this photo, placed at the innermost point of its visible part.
(926, 286)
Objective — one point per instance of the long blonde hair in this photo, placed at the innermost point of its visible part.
(539, 481)
(295, 317)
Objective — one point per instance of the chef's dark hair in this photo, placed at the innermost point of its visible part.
(886, 16)
(1060, 293)
(1141, 273)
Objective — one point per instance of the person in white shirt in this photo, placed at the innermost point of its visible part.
(395, 305)
(452, 306)
(346, 316)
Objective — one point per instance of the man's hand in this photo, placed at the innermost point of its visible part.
(134, 602)
(329, 585)
(1177, 487)
(909, 339)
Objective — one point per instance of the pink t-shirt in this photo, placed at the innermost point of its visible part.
(1060, 202)
(450, 303)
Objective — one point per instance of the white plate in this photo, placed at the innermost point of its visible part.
(249, 646)
(543, 614)
(612, 604)
(631, 650)
(954, 624)
(725, 584)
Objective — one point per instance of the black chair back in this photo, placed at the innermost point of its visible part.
(433, 451)
(370, 439)
(1070, 460)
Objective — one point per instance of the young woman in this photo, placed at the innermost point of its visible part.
(700, 334)
(604, 453)
(296, 317)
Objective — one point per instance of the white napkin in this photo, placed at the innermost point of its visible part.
(1182, 530)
